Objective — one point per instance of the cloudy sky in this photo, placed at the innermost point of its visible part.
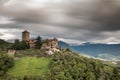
(72, 21)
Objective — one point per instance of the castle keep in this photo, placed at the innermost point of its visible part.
(48, 44)
(25, 35)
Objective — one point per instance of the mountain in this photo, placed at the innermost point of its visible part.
(98, 48)
(104, 51)
(101, 51)
(63, 44)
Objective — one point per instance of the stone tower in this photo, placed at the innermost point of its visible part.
(25, 35)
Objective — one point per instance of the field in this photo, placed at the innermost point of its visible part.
(29, 66)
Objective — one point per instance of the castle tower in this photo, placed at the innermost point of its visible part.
(25, 35)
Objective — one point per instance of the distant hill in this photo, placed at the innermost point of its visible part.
(103, 51)
(63, 44)
(98, 48)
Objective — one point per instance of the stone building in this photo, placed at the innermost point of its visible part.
(48, 44)
(25, 35)
(26, 38)
(11, 52)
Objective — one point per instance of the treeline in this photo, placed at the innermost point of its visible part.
(4, 45)
(22, 45)
(19, 45)
(71, 66)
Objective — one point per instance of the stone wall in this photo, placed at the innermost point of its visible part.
(50, 43)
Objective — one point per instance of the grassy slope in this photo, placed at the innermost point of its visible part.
(30, 66)
(30, 51)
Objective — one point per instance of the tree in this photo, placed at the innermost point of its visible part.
(17, 41)
(4, 45)
(16, 44)
(6, 62)
(24, 45)
(20, 45)
(38, 42)
(71, 66)
(67, 49)
(116, 72)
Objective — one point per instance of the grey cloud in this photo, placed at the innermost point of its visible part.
(11, 26)
(108, 16)
(87, 20)
(95, 15)
(103, 16)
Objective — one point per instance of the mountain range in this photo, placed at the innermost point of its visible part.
(100, 51)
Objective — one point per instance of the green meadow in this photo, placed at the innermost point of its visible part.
(30, 66)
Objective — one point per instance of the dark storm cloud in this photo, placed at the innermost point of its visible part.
(13, 25)
(99, 16)
(107, 15)
(26, 15)
(85, 20)
(95, 15)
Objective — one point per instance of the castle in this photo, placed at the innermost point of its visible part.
(47, 44)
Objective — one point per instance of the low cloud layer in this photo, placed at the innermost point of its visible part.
(73, 21)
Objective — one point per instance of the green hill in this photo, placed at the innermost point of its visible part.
(71, 66)
(64, 65)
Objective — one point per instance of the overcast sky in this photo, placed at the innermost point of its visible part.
(72, 21)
